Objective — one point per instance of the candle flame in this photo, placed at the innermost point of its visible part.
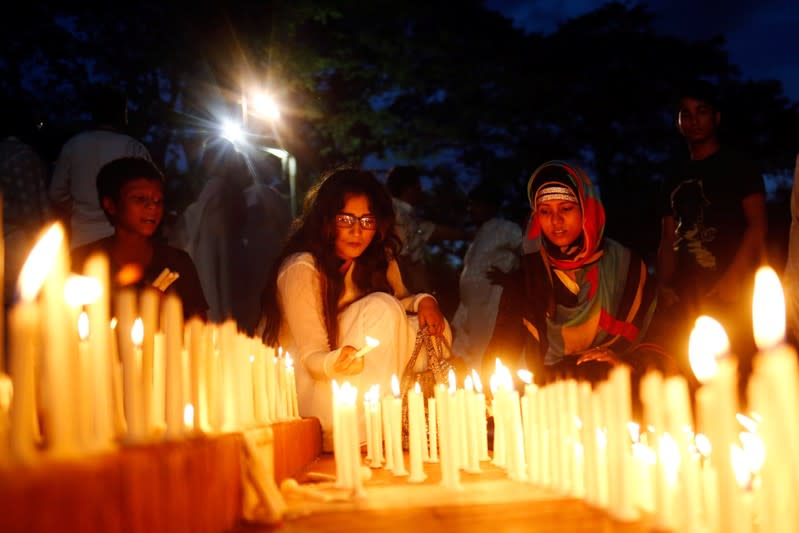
(417, 389)
(635, 431)
(768, 309)
(82, 290)
(113, 323)
(371, 341)
(252, 358)
(452, 382)
(644, 453)
(467, 384)
(707, 343)
(347, 394)
(478, 385)
(740, 466)
(188, 415)
(750, 424)
(754, 451)
(137, 332)
(83, 326)
(669, 456)
(703, 445)
(289, 361)
(39, 262)
(525, 375)
(395, 386)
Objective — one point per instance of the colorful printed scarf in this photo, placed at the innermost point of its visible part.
(614, 293)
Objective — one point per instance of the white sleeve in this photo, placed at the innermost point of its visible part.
(301, 308)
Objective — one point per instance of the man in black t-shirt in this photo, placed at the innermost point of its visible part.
(713, 229)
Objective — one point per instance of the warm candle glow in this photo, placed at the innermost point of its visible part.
(82, 290)
(417, 389)
(395, 386)
(137, 332)
(707, 343)
(188, 415)
(703, 445)
(39, 262)
(635, 431)
(83, 326)
(525, 375)
(113, 323)
(670, 457)
(370, 343)
(467, 384)
(289, 361)
(252, 358)
(768, 309)
(754, 451)
(739, 466)
(452, 382)
(478, 385)
(750, 424)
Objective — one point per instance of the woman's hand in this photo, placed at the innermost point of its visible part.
(347, 363)
(430, 315)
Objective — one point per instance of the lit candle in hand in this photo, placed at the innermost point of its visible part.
(371, 343)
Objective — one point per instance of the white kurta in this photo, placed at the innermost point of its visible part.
(496, 244)
(304, 335)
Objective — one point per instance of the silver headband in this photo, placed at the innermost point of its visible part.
(554, 191)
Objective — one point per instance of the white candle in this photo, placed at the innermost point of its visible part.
(196, 366)
(774, 394)
(23, 327)
(85, 384)
(396, 428)
(294, 410)
(244, 382)
(416, 435)
(388, 434)
(369, 344)
(472, 424)
(259, 382)
(709, 342)
(619, 443)
(228, 394)
(159, 383)
(118, 397)
(271, 383)
(450, 475)
(341, 458)
(367, 397)
(652, 395)
(588, 436)
(148, 309)
(134, 417)
(482, 425)
(100, 352)
(432, 423)
(173, 333)
(59, 362)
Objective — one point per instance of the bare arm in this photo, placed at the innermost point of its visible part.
(752, 248)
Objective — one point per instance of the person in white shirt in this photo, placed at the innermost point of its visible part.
(497, 245)
(73, 189)
(337, 281)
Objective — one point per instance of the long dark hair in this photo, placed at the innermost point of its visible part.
(315, 233)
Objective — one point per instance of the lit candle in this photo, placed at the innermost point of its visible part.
(134, 417)
(482, 426)
(196, 366)
(774, 394)
(85, 384)
(619, 448)
(708, 341)
(271, 383)
(118, 398)
(259, 383)
(472, 423)
(159, 383)
(228, 393)
(148, 309)
(416, 434)
(396, 428)
(450, 475)
(432, 423)
(23, 326)
(245, 395)
(652, 395)
(370, 344)
(341, 458)
(374, 421)
(367, 401)
(388, 434)
(590, 445)
(59, 362)
(291, 380)
(528, 422)
(173, 333)
(100, 351)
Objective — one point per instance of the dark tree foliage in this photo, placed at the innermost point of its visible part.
(455, 88)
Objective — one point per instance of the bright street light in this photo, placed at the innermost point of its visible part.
(232, 132)
(264, 106)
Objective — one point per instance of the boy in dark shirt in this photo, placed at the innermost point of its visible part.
(713, 229)
(131, 192)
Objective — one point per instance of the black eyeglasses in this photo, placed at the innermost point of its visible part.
(346, 220)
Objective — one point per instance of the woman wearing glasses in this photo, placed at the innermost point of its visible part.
(337, 281)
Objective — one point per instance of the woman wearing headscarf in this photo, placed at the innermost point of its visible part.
(580, 302)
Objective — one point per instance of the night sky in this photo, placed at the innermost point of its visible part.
(761, 34)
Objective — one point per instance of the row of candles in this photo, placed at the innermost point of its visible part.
(84, 381)
(718, 471)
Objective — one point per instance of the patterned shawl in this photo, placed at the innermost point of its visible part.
(614, 293)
